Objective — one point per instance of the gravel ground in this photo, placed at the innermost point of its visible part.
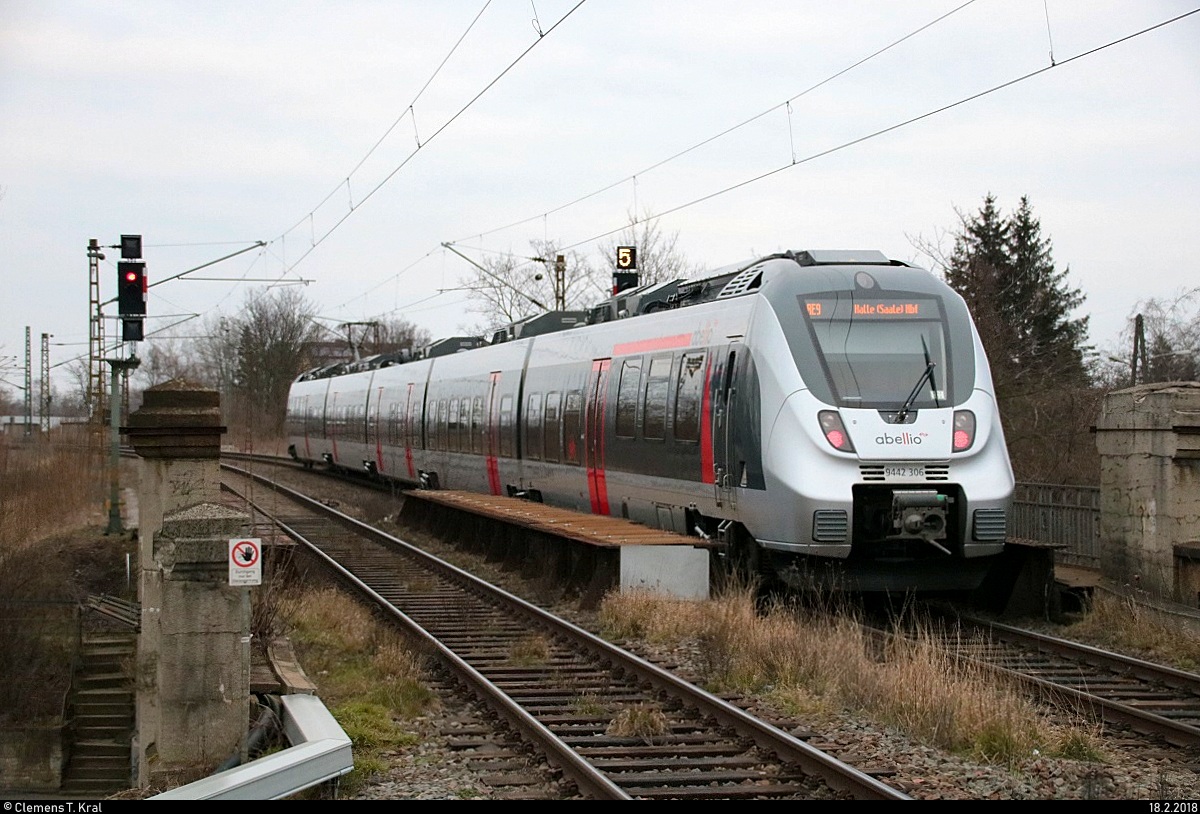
(437, 770)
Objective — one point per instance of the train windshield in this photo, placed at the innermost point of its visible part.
(881, 351)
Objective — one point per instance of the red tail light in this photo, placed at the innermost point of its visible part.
(964, 430)
(835, 431)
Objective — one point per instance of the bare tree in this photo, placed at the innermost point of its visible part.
(658, 255)
(252, 358)
(375, 336)
(167, 359)
(396, 333)
(1168, 346)
(509, 287)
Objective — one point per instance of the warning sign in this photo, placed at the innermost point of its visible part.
(245, 561)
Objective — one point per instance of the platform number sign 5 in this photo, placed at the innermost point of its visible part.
(627, 258)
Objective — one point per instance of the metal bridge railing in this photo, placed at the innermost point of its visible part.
(1067, 516)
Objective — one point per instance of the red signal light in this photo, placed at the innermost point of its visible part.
(131, 288)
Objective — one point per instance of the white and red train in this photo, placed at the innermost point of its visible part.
(828, 415)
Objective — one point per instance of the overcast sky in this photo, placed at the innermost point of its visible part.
(206, 127)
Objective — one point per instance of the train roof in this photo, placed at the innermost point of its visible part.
(726, 282)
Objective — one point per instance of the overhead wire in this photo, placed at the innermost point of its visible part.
(435, 134)
(407, 111)
(889, 129)
(314, 242)
(784, 104)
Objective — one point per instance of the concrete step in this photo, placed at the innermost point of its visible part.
(115, 771)
(102, 694)
(115, 714)
(102, 701)
(104, 734)
(108, 679)
(101, 750)
(86, 787)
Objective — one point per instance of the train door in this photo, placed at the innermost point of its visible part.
(493, 432)
(305, 424)
(374, 436)
(593, 435)
(411, 428)
(333, 426)
(722, 430)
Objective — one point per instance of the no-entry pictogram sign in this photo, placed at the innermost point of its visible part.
(245, 561)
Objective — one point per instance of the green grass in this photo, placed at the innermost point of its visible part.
(372, 682)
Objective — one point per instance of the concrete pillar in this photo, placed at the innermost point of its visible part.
(1149, 442)
(193, 685)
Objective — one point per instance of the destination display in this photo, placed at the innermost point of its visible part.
(881, 308)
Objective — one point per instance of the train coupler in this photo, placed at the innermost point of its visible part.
(921, 514)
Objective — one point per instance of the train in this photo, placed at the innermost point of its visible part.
(822, 417)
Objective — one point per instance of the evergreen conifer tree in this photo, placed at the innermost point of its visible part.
(1003, 267)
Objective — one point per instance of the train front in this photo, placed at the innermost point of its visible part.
(887, 444)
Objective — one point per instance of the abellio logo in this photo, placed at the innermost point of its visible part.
(903, 439)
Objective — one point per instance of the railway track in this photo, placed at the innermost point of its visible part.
(1150, 699)
(1157, 705)
(615, 725)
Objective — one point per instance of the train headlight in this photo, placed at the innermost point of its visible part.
(964, 430)
(834, 430)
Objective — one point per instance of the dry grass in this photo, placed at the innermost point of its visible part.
(529, 651)
(814, 661)
(1123, 624)
(368, 676)
(643, 721)
(47, 485)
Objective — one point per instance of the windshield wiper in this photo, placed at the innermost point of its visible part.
(926, 374)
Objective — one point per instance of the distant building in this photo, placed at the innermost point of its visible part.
(15, 424)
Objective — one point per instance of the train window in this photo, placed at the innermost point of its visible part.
(627, 398)
(572, 424)
(553, 448)
(443, 412)
(477, 425)
(506, 426)
(452, 427)
(412, 425)
(875, 348)
(654, 413)
(689, 391)
(533, 427)
(464, 425)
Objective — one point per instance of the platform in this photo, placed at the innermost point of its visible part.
(563, 549)
(593, 529)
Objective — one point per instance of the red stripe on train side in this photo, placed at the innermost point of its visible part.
(601, 481)
(493, 440)
(596, 472)
(647, 345)
(706, 436)
(408, 433)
